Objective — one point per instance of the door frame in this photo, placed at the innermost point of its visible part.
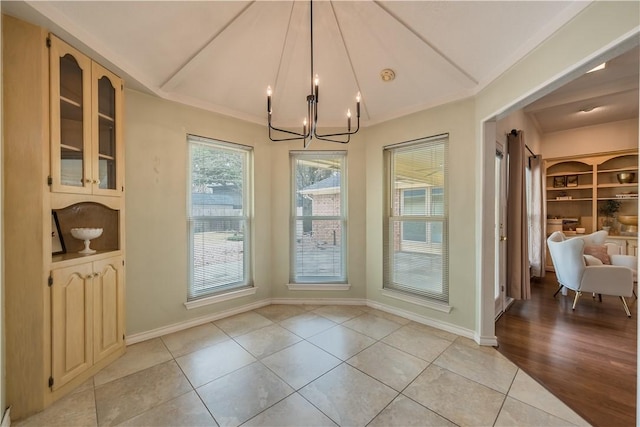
(500, 225)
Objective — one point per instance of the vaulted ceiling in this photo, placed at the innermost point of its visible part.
(222, 55)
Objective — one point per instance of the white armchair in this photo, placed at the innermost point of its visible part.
(573, 272)
(617, 258)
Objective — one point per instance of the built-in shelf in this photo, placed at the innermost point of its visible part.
(614, 185)
(570, 173)
(69, 258)
(104, 116)
(70, 147)
(70, 101)
(590, 181)
(618, 170)
(579, 187)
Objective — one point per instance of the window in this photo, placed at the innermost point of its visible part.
(218, 217)
(318, 217)
(415, 237)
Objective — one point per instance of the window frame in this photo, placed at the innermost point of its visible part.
(430, 218)
(311, 280)
(194, 295)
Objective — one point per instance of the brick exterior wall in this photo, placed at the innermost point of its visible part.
(327, 231)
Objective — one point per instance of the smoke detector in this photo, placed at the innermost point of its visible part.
(387, 75)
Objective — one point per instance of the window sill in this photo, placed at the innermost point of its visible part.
(445, 308)
(318, 286)
(219, 298)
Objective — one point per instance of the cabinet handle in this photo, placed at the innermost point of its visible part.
(87, 181)
(96, 181)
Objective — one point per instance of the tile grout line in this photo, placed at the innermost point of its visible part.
(189, 381)
(173, 358)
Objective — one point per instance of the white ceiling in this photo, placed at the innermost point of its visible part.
(221, 55)
(602, 96)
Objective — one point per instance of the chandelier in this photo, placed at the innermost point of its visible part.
(310, 123)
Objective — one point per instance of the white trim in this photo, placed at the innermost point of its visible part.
(448, 327)
(445, 308)
(605, 53)
(319, 301)
(318, 286)
(508, 303)
(6, 418)
(176, 327)
(488, 341)
(219, 298)
(164, 330)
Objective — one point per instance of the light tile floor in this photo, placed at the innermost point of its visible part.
(286, 365)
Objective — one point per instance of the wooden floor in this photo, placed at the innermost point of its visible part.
(586, 357)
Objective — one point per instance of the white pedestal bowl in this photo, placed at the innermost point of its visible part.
(86, 234)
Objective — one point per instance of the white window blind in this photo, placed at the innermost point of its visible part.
(416, 254)
(218, 217)
(318, 217)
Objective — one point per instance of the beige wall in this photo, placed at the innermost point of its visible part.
(456, 119)
(614, 136)
(156, 188)
(520, 121)
(156, 185)
(156, 222)
(571, 46)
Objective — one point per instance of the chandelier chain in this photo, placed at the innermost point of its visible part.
(310, 132)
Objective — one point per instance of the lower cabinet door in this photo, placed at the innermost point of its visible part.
(71, 322)
(108, 303)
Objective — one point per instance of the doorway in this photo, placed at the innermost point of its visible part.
(500, 272)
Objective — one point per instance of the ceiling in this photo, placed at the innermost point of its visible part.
(597, 97)
(222, 55)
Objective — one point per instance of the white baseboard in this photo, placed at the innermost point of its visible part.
(448, 327)
(164, 330)
(488, 341)
(319, 301)
(6, 418)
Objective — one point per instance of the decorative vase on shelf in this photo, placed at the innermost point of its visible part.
(86, 234)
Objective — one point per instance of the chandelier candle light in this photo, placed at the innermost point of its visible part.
(310, 123)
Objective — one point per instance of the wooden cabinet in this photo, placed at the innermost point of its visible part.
(578, 187)
(628, 245)
(86, 316)
(86, 142)
(108, 307)
(64, 313)
(71, 299)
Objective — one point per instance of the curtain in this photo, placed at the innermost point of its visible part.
(537, 243)
(518, 277)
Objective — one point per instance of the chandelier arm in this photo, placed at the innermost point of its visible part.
(321, 136)
(317, 135)
(297, 135)
(335, 140)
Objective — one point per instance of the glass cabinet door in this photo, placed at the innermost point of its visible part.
(107, 92)
(86, 101)
(70, 113)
